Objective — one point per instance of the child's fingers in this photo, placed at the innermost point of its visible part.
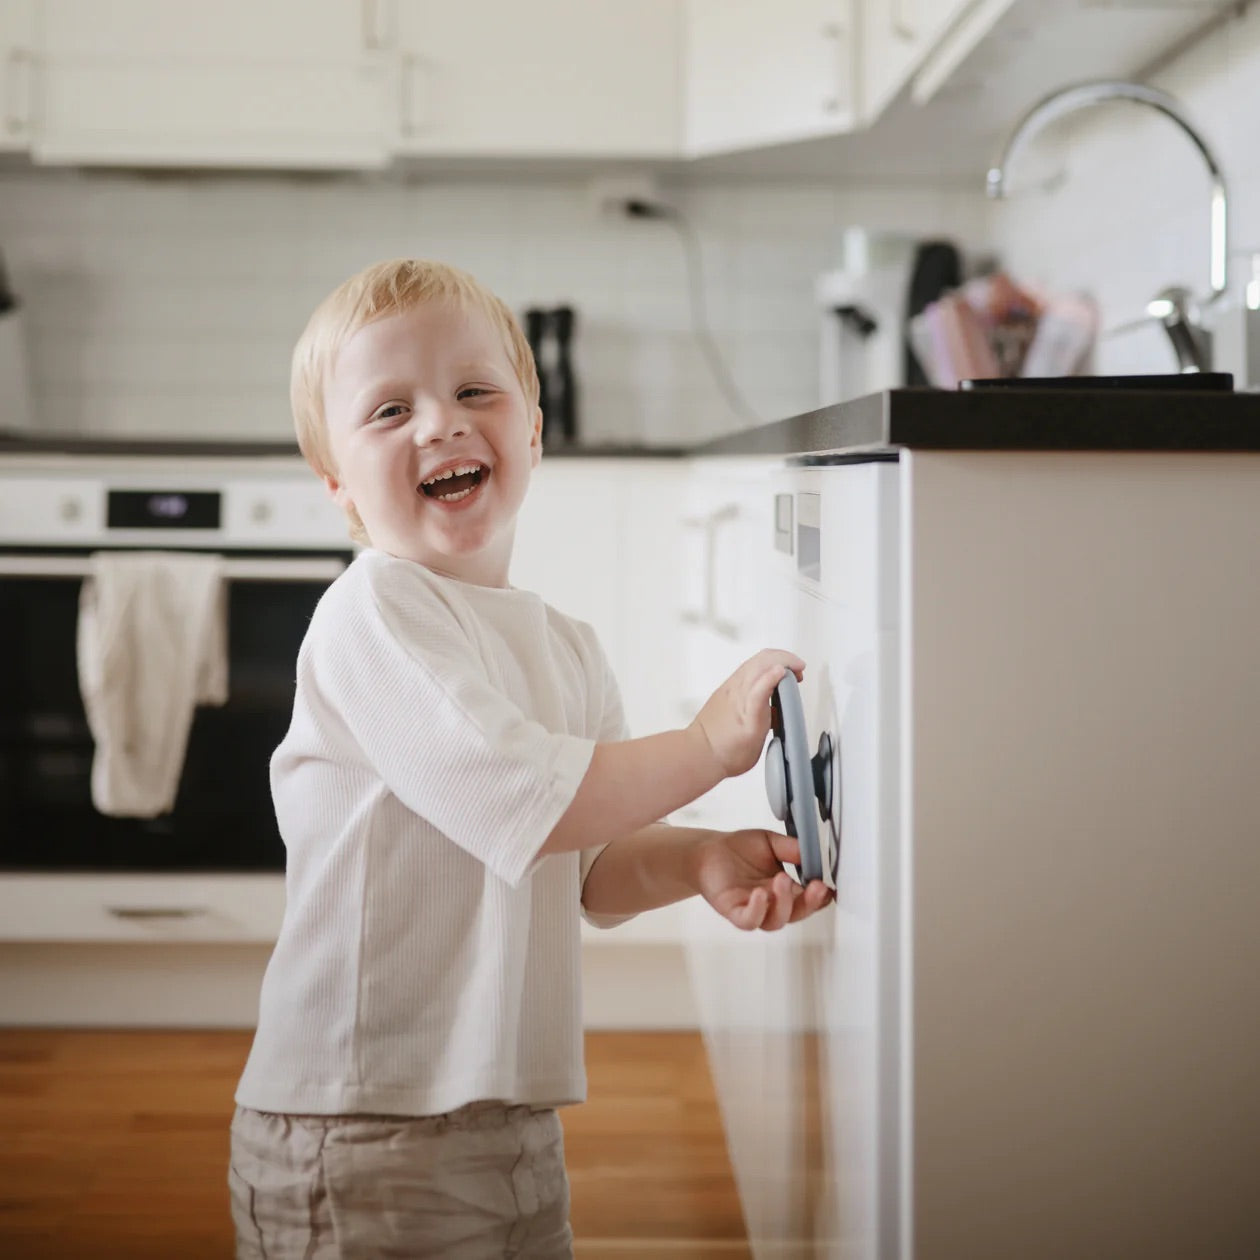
(752, 914)
(764, 684)
(784, 848)
(815, 895)
(784, 893)
(775, 659)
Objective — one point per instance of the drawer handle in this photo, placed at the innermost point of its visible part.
(143, 913)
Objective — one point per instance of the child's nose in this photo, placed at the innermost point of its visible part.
(438, 422)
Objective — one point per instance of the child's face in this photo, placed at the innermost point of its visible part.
(416, 395)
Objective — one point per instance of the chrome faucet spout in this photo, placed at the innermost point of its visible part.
(1082, 95)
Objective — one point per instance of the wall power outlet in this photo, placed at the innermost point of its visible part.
(609, 194)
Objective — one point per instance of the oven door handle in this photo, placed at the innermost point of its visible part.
(239, 569)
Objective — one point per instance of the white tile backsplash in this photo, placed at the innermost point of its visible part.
(170, 304)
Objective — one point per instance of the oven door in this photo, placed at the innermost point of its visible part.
(223, 818)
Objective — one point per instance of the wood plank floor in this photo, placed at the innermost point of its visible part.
(113, 1146)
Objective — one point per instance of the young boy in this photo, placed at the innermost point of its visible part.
(456, 787)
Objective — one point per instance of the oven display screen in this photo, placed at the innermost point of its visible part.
(164, 509)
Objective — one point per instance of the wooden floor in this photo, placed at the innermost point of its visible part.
(113, 1145)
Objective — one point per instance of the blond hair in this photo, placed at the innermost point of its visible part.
(384, 289)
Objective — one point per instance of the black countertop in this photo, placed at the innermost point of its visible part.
(1172, 416)
(15, 442)
(1170, 413)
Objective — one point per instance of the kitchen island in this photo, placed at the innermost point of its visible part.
(1031, 1025)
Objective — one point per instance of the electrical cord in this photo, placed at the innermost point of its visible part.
(638, 209)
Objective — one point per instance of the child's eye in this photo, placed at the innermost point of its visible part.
(472, 391)
(391, 411)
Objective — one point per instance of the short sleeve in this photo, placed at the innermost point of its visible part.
(612, 728)
(402, 678)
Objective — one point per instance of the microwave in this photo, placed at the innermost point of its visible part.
(282, 541)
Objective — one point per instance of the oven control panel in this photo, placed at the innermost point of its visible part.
(177, 509)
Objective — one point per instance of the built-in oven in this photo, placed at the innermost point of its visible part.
(282, 542)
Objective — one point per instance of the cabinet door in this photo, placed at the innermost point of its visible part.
(896, 37)
(800, 1024)
(236, 83)
(569, 545)
(761, 74)
(562, 78)
(650, 589)
(595, 538)
(17, 53)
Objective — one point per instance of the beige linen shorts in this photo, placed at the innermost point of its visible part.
(483, 1182)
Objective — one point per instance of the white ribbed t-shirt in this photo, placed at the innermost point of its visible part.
(428, 958)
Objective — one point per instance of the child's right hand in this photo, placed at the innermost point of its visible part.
(735, 719)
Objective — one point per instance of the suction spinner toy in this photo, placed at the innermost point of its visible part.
(795, 781)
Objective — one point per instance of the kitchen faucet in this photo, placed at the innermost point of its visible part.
(1175, 307)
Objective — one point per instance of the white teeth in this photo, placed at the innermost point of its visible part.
(451, 472)
(456, 496)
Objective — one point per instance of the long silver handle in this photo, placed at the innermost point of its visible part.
(709, 615)
(723, 516)
(245, 569)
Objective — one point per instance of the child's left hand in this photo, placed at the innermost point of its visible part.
(740, 874)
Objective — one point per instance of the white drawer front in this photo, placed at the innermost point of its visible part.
(132, 908)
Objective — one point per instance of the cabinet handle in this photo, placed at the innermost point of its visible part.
(369, 15)
(903, 24)
(723, 516)
(17, 116)
(140, 914)
(709, 615)
(835, 32)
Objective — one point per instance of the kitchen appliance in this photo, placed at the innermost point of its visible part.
(549, 332)
(15, 387)
(282, 540)
(862, 309)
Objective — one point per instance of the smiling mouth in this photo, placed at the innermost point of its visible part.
(455, 483)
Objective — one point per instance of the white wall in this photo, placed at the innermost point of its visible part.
(170, 304)
(1132, 215)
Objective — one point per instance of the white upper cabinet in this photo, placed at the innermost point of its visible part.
(235, 83)
(17, 84)
(897, 35)
(552, 78)
(344, 84)
(761, 74)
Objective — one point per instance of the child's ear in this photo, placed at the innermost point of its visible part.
(338, 493)
(535, 438)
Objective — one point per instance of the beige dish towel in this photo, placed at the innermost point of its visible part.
(152, 645)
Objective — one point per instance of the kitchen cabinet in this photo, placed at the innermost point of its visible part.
(346, 84)
(131, 909)
(767, 74)
(17, 54)
(723, 613)
(787, 1015)
(897, 36)
(554, 78)
(1045, 711)
(597, 538)
(236, 83)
